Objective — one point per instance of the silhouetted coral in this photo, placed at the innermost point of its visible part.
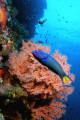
(52, 111)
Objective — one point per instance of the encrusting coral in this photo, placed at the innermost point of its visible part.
(38, 80)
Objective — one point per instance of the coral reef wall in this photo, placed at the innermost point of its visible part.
(28, 90)
(30, 11)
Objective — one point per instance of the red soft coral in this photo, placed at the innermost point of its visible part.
(36, 78)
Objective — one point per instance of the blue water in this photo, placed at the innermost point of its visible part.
(63, 29)
(60, 31)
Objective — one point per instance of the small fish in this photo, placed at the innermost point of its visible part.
(59, 20)
(40, 42)
(71, 109)
(66, 21)
(10, 41)
(77, 113)
(52, 64)
(42, 21)
(3, 17)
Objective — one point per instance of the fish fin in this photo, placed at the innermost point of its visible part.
(65, 92)
(64, 89)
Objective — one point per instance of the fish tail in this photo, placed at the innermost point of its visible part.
(45, 20)
(66, 78)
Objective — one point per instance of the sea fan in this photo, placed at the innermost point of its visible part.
(38, 80)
